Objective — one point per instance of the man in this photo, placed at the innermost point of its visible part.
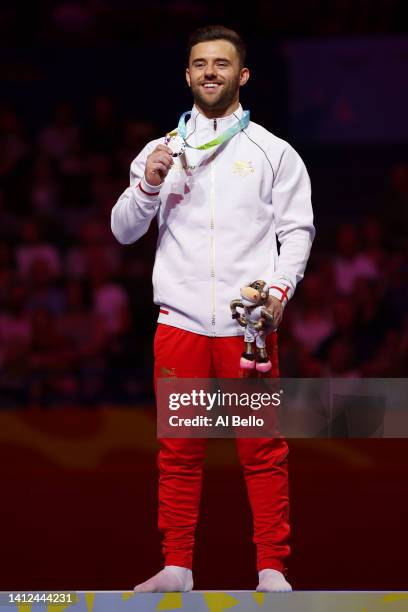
(220, 206)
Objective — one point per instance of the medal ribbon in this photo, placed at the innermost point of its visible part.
(227, 135)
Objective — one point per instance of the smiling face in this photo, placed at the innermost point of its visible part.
(215, 76)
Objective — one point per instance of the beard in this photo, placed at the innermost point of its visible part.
(218, 102)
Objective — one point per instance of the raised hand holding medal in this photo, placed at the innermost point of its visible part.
(158, 164)
(160, 160)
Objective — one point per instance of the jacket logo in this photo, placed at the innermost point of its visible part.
(243, 168)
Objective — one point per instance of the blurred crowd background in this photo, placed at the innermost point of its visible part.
(91, 22)
(76, 312)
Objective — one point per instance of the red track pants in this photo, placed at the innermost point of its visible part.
(264, 460)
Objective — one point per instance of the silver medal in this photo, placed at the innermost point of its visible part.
(176, 144)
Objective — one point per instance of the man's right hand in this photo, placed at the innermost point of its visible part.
(158, 164)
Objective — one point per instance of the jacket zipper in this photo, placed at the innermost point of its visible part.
(212, 246)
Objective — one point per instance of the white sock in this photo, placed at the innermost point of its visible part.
(271, 581)
(169, 580)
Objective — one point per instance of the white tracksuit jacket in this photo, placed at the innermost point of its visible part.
(219, 212)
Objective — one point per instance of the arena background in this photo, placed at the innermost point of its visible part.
(83, 86)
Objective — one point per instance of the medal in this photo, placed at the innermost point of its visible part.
(176, 144)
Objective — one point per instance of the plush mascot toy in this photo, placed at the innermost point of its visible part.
(258, 323)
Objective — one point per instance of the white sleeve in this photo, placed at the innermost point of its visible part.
(138, 204)
(291, 198)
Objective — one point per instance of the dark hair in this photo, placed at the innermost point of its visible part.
(218, 32)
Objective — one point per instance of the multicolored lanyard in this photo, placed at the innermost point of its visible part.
(227, 135)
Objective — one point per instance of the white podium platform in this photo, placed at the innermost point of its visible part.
(217, 601)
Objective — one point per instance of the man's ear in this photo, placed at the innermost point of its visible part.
(188, 77)
(244, 76)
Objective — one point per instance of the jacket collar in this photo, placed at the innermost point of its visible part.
(202, 122)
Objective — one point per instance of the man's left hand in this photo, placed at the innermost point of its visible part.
(275, 308)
